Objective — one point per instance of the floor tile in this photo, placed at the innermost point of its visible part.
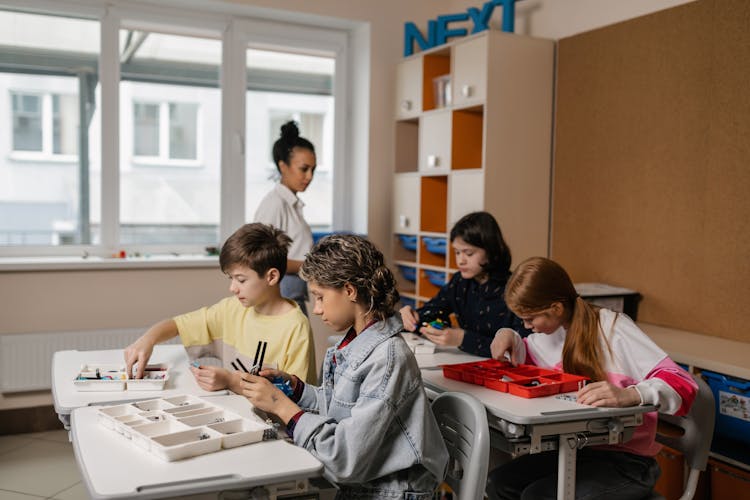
(41, 468)
(75, 492)
(12, 495)
(13, 441)
(59, 436)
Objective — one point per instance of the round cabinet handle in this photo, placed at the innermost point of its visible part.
(433, 161)
(467, 90)
(406, 105)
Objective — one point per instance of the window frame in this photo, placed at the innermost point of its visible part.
(237, 27)
(164, 140)
(47, 153)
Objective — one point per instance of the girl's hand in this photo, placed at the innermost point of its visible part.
(447, 336)
(502, 344)
(267, 397)
(272, 373)
(606, 394)
(410, 318)
(214, 378)
(138, 353)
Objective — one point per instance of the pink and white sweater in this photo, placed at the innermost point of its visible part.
(635, 361)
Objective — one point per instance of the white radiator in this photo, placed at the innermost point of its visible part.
(26, 359)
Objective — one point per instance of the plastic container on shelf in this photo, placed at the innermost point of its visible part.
(408, 241)
(438, 246)
(409, 273)
(408, 301)
(437, 278)
(442, 88)
(732, 397)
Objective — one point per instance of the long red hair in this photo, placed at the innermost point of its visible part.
(536, 284)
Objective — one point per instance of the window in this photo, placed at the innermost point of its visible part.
(45, 123)
(122, 134)
(305, 82)
(177, 140)
(48, 191)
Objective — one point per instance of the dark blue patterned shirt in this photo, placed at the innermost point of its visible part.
(480, 310)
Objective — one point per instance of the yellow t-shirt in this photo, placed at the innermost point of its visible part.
(227, 330)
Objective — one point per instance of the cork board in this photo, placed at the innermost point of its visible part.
(651, 186)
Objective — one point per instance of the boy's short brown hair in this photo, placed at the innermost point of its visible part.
(257, 246)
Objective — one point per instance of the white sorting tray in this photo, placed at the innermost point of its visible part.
(183, 426)
(102, 377)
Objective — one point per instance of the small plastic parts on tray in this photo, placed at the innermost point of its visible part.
(108, 377)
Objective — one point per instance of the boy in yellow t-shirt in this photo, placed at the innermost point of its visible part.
(254, 259)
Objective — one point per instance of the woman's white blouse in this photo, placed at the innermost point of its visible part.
(283, 209)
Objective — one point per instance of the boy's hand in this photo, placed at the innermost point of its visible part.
(267, 397)
(213, 378)
(410, 318)
(273, 373)
(443, 336)
(139, 352)
(609, 395)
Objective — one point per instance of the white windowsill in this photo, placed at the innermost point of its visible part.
(90, 263)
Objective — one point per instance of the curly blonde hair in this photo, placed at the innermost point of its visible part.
(339, 259)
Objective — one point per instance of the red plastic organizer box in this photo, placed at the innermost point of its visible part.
(526, 381)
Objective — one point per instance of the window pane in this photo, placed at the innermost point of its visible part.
(27, 122)
(49, 193)
(307, 100)
(145, 129)
(183, 127)
(65, 124)
(170, 185)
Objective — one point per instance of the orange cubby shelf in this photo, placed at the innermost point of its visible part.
(433, 66)
(426, 256)
(433, 204)
(466, 138)
(425, 287)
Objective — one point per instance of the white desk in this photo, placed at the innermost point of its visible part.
(533, 425)
(67, 364)
(115, 468)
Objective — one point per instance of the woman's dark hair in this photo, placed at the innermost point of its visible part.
(480, 229)
(290, 139)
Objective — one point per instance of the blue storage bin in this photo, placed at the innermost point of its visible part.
(407, 301)
(732, 397)
(435, 245)
(409, 273)
(408, 241)
(317, 235)
(437, 278)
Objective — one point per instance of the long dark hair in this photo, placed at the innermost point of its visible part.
(290, 139)
(480, 229)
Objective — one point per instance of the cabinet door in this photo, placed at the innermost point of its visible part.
(470, 72)
(409, 88)
(406, 204)
(466, 194)
(435, 142)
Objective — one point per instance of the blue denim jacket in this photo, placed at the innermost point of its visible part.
(374, 430)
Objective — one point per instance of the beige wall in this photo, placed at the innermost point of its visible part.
(63, 301)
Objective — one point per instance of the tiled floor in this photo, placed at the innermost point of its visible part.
(39, 465)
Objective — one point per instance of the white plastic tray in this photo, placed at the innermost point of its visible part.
(181, 426)
(100, 377)
(418, 344)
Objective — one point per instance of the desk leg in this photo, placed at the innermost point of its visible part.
(566, 467)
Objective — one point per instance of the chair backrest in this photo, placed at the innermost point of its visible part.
(463, 424)
(698, 429)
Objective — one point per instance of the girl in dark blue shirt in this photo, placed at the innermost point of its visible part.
(474, 294)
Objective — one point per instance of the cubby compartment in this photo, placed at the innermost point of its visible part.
(434, 148)
(428, 257)
(467, 138)
(426, 288)
(407, 145)
(434, 204)
(435, 65)
(437, 278)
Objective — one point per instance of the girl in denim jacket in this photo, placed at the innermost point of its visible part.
(370, 423)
